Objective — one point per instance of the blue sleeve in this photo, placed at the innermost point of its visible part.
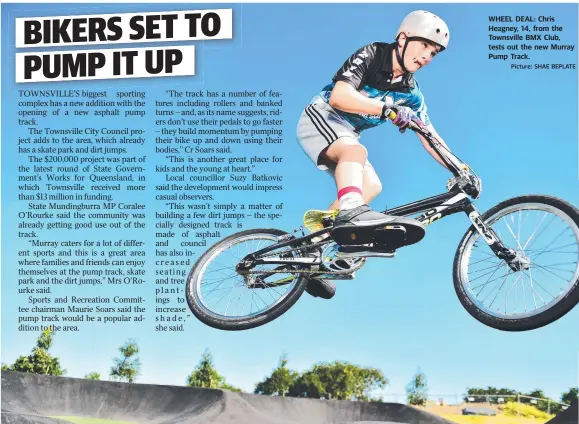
(418, 105)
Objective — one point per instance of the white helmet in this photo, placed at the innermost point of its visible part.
(423, 24)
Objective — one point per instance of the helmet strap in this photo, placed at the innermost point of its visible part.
(401, 58)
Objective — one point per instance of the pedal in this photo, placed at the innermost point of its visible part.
(365, 252)
(316, 220)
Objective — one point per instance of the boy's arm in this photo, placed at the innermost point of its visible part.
(349, 78)
(429, 149)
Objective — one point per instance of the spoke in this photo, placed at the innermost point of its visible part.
(552, 251)
(561, 263)
(228, 302)
(555, 239)
(485, 253)
(229, 251)
(271, 295)
(534, 291)
(551, 272)
(494, 279)
(558, 247)
(519, 225)
(485, 260)
(226, 288)
(259, 244)
(489, 280)
(544, 273)
(490, 292)
(490, 272)
(516, 280)
(221, 298)
(512, 233)
(536, 282)
(217, 281)
(215, 270)
(535, 230)
(540, 232)
(505, 280)
(220, 277)
(266, 305)
(275, 290)
(524, 294)
(243, 301)
(484, 269)
(207, 295)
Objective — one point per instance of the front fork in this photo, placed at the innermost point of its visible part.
(492, 239)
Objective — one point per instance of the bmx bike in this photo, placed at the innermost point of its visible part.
(515, 269)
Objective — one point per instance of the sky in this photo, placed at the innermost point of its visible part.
(517, 129)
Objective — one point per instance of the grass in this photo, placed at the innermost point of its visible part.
(528, 411)
(85, 420)
(511, 414)
(497, 419)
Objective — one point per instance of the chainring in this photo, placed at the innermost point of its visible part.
(332, 263)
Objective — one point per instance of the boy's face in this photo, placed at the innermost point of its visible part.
(418, 54)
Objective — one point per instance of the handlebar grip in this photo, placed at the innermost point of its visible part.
(392, 115)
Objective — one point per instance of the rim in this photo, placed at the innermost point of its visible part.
(541, 233)
(222, 293)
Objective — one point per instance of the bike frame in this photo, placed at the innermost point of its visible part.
(431, 209)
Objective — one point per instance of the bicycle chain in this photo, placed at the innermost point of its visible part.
(305, 271)
(289, 271)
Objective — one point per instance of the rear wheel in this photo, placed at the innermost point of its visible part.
(544, 232)
(222, 298)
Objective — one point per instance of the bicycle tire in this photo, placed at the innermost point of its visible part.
(548, 316)
(241, 323)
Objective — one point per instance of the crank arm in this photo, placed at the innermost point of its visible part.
(266, 284)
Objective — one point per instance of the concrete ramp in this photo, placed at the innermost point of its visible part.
(568, 416)
(33, 399)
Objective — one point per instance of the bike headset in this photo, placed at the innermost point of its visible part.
(422, 25)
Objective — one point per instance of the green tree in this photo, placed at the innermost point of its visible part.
(93, 376)
(417, 390)
(489, 394)
(128, 366)
(539, 403)
(338, 380)
(39, 361)
(570, 395)
(5, 367)
(279, 382)
(205, 375)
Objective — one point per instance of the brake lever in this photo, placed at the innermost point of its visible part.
(412, 125)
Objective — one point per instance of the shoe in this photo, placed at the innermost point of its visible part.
(361, 215)
(318, 287)
(362, 225)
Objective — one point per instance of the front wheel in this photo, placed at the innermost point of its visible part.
(544, 232)
(221, 297)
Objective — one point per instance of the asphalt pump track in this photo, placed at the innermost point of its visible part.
(33, 399)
